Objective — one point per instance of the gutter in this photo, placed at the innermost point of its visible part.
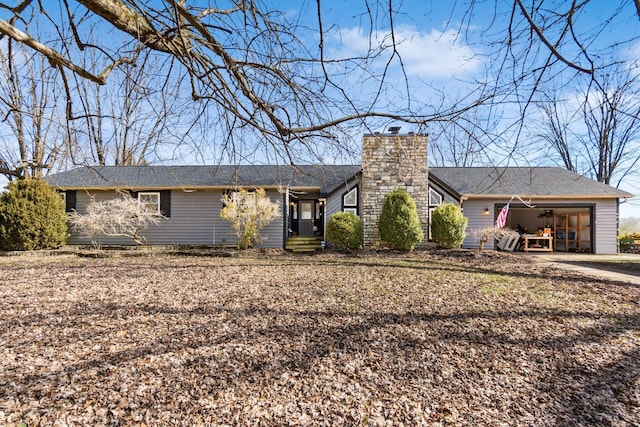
(539, 196)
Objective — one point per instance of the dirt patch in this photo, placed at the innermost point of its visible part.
(369, 338)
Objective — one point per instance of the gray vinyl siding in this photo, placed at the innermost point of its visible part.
(474, 211)
(605, 226)
(334, 200)
(272, 235)
(334, 204)
(195, 220)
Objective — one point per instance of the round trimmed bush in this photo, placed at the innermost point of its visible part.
(399, 224)
(345, 231)
(32, 216)
(448, 225)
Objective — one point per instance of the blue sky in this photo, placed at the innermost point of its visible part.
(441, 46)
(437, 54)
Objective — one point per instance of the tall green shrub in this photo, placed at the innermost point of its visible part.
(448, 225)
(32, 216)
(345, 231)
(399, 224)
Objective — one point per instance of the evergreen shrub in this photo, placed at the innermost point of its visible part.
(448, 225)
(32, 216)
(399, 224)
(345, 231)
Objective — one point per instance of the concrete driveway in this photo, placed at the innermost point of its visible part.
(570, 261)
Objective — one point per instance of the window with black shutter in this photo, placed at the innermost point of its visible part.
(70, 200)
(155, 201)
(165, 203)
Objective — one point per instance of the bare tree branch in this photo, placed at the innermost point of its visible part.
(265, 84)
(54, 57)
(547, 43)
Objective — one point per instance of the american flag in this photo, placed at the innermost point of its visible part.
(502, 216)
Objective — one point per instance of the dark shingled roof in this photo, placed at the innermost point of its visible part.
(471, 181)
(325, 177)
(522, 181)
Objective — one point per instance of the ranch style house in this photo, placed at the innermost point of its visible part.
(560, 210)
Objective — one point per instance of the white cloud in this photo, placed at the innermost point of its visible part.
(434, 54)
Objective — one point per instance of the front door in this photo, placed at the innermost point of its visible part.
(305, 217)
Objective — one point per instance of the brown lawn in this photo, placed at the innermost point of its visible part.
(430, 338)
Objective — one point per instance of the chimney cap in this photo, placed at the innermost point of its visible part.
(394, 129)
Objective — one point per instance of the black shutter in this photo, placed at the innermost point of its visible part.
(165, 203)
(224, 194)
(70, 197)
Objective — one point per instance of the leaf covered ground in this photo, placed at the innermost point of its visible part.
(430, 338)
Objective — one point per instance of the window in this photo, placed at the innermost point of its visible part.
(149, 201)
(435, 198)
(351, 198)
(306, 210)
(350, 201)
(352, 210)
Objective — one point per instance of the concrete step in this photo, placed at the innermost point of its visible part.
(303, 244)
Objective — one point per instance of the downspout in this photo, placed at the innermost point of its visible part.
(285, 231)
(324, 221)
(617, 226)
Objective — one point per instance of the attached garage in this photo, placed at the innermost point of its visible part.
(577, 213)
(571, 226)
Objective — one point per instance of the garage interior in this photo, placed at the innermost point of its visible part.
(554, 228)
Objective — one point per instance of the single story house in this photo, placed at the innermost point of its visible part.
(582, 214)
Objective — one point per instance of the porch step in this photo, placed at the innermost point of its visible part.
(303, 244)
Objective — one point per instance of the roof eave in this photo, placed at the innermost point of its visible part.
(546, 196)
(434, 178)
(185, 188)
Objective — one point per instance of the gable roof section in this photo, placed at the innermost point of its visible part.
(492, 182)
(324, 177)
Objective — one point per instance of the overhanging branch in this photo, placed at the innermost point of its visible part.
(547, 43)
(54, 57)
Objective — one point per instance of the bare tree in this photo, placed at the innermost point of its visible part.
(630, 225)
(127, 120)
(539, 44)
(553, 130)
(612, 119)
(253, 67)
(246, 59)
(595, 130)
(29, 113)
(249, 64)
(464, 141)
(122, 216)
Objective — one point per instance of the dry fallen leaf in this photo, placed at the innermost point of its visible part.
(427, 338)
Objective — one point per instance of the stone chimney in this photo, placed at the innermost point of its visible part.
(391, 161)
